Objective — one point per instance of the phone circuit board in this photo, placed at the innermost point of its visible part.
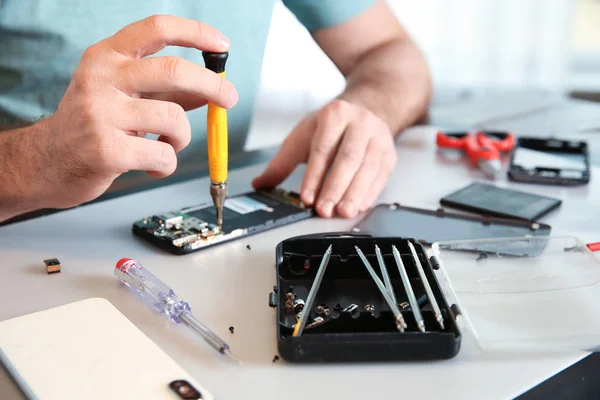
(193, 228)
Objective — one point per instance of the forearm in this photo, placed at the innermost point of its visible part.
(392, 81)
(20, 171)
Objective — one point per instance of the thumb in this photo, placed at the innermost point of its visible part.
(293, 151)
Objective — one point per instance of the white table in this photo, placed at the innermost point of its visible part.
(229, 285)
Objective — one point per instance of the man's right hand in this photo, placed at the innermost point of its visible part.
(116, 96)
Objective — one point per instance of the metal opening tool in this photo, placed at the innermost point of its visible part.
(313, 293)
(412, 300)
(400, 323)
(430, 296)
(386, 276)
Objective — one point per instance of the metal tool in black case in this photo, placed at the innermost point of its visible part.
(350, 320)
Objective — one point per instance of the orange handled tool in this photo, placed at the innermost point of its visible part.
(483, 147)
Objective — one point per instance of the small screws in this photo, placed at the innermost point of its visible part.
(275, 357)
(370, 308)
(337, 308)
(482, 256)
(248, 247)
(289, 305)
(231, 329)
(298, 305)
(323, 310)
(350, 309)
(316, 322)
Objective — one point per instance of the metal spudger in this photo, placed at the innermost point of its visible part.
(400, 323)
(386, 276)
(313, 293)
(430, 296)
(412, 300)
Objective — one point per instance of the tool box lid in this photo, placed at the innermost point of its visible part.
(533, 294)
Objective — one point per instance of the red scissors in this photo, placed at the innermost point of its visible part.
(482, 147)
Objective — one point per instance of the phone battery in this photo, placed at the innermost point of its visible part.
(498, 202)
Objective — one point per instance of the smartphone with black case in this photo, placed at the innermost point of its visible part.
(193, 228)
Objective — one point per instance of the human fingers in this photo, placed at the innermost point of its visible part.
(152, 34)
(348, 159)
(158, 117)
(330, 125)
(174, 74)
(358, 189)
(141, 154)
(387, 167)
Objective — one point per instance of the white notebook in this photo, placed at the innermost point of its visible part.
(88, 350)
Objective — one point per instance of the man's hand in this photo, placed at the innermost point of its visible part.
(351, 143)
(116, 96)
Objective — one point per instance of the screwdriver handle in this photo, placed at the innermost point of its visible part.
(216, 124)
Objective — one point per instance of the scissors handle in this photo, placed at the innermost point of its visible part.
(481, 148)
(503, 141)
(455, 140)
(476, 147)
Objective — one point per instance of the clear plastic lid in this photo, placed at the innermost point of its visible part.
(524, 294)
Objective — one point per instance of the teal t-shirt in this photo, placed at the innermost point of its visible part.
(41, 43)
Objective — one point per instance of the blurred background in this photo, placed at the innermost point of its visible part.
(550, 46)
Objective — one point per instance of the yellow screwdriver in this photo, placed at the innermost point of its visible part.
(216, 132)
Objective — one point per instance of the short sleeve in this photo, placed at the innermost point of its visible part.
(319, 14)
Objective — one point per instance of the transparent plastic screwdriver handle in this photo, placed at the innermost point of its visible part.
(162, 298)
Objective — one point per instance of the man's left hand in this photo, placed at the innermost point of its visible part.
(350, 154)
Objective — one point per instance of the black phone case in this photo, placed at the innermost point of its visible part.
(359, 336)
(545, 175)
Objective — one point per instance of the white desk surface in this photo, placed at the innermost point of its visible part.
(229, 285)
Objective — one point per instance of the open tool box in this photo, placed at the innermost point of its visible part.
(358, 323)
(512, 294)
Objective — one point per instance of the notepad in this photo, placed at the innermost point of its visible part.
(88, 350)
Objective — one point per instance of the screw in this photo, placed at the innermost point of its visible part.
(289, 305)
(316, 322)
(351, 308)
(290, 296)
(248, 247)
(322, 310)
(231, 329)
(275, 357)
(337, 308)
(370, 308)
(298, 305)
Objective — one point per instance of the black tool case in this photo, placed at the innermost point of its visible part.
(367, 333)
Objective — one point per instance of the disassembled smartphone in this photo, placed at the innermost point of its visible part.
(193, 228)
(550, 161)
